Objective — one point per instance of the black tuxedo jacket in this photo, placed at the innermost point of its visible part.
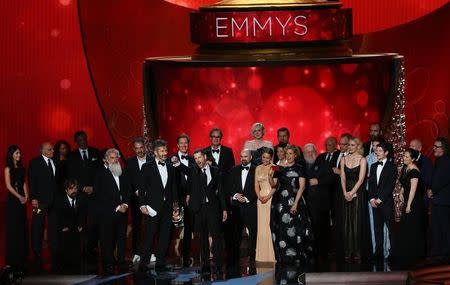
(182, 172)
(134, 173)
(153, 191)
(226, 158)
(214, 190)
(426, 170)
(389, 146)
(441, 181)
(319, 196)
(43, 184)
(235, 185)
(69, 217)
(83, 171)
(384, 189)
(334, 157)
(107, 195)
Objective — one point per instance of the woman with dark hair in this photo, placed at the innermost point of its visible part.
(264, 192)
(290, 223)
(410, 244)
(62, 150)
(16, 224)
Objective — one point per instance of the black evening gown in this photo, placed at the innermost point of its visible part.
(355, 217)
(292, 235)
(410, 244)
(16, 223)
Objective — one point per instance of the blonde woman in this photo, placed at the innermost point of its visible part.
(257, 144)
(353, 172)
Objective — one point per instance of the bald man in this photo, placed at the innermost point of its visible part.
(42, 176)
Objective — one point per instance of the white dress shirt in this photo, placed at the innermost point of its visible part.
(215, 154)
(46, 159)
(244, 175)
(380, 169)
(141, 162)
(162, 172)
(70, 201)
(208, 173)
(84, 151)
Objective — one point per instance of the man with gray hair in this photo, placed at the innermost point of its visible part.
(112, 194)
(319, 182)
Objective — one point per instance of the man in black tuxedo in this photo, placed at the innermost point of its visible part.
(71, 210)
(133, 169)
(112, 196)
(382, 179)
(375, 133)
(43, 173)
(440, 197)
(319, 182)
(206, 200)
(221, 155)
(186, 163)
(332, 153)
(243, 206)
(156, 199)
(283, 136)
(82, 165)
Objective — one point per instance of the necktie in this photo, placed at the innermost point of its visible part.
(215, 151)
(161, 163)
(50, 167)
(328, 157)
(85, 158)
(73, 203)
(204, 180)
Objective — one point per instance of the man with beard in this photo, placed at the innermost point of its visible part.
(374, 133)
(243, 206)
(156, 199)
(133, 169)
(71, 211)
(112, 195)
(206, 200)
(283, 136)
(319, 182)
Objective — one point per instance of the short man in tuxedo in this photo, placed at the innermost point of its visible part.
(82, 165)
(382, 179)
(112, 195)
(71, 210)
(133, 169)
(186, 162)
(243, 206)
(283, 136)
(43, 174)
(206, 200)
(319, 181)
(440, 197)
(156, 199)
(375, 132)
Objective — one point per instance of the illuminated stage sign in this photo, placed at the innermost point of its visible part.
(271, 26)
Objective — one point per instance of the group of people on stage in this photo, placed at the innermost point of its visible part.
(296, 205)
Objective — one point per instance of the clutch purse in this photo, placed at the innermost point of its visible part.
(178, 220)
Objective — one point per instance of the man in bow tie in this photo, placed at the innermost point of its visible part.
(382, 179)
(243, 208)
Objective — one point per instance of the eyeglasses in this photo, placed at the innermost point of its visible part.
(437, 146)
(216, 137)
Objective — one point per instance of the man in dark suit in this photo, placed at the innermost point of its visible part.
(332, 153)
(243, 206)
(82, 165)
(440, 197)
(319, 182)
(424, 163)
(112, 196)
(283, 136)
(375, 133)
(156, 199)
(186, 163)
(206, 200)
(43, 173)
(133, 169)
(71, 210)
(382, 179)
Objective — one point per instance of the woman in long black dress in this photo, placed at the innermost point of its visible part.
(16, 224)
(353, 172)
(290, 222)
(62, 150)
(410, 245)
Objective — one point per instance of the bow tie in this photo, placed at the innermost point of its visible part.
(245, 167)
(215, 150)
(184, 157)
(161, 163)
(380, 163)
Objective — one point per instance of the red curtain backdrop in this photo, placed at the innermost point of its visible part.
(45, 74)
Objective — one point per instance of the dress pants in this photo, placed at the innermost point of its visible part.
(208, 223)
(113, 230)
